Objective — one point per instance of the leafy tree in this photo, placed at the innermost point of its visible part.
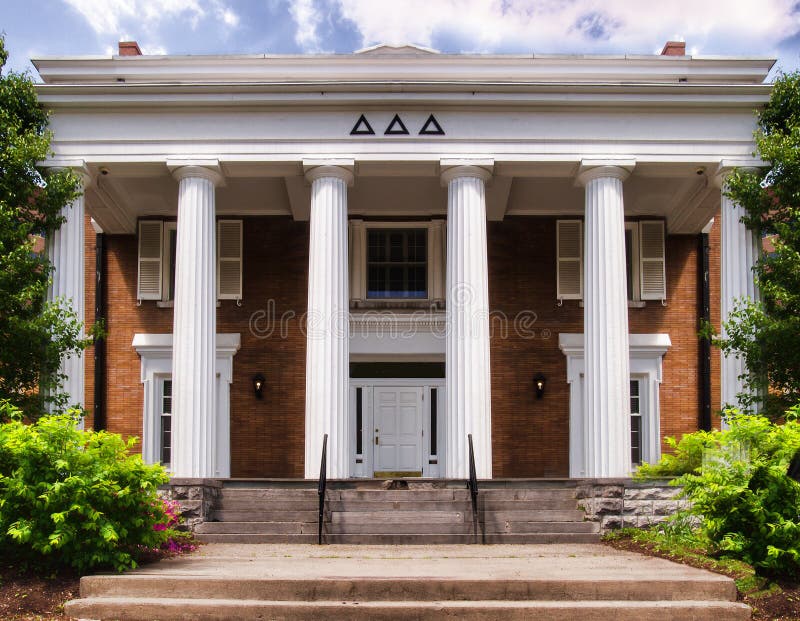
(766, 333)
(34, 334)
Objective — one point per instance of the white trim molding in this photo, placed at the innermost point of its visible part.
(378, 335)
(155, 351)
(645, 357)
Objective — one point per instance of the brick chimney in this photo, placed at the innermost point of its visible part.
(671, 48)
(129, 48)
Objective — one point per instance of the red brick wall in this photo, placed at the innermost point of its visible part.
(530, 437)
(267, 436)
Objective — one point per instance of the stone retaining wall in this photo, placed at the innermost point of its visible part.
(624, 503)
(196, 498)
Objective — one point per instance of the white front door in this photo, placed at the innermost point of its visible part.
(398, 430)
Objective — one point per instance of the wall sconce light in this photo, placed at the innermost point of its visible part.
(539, 381)
(258, 385)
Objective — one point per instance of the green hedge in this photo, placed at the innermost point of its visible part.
(73, 498)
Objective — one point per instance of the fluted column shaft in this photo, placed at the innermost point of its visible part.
(66, 251)
(739, 254)
(467, 300)
(328, 323)
(607, 434)
(194, 326)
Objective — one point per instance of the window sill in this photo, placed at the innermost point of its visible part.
(395, 304)
(171, 304)
(631, 303)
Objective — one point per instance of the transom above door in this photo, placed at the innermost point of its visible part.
(398, 426)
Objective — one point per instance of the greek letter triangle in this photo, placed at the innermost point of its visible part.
(362, 127)
(431, 127)
(400, 129)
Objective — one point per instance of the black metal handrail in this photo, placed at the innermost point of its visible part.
(473, 485)
(323, 483)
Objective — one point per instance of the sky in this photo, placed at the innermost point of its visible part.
(766, 28)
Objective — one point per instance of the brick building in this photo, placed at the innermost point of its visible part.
(399, 248)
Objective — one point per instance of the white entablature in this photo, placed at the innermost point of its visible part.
(536, 117)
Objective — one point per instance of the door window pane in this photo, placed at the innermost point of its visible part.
(636, 423)
(166, 422)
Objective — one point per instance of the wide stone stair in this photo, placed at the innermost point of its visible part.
(401, 511)
(359, 583)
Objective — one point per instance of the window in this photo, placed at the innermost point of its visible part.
(644, 260)
(359, 425)
(397, 264)
(157, 252)
(165, 426)
(636, 422)
(646, 356)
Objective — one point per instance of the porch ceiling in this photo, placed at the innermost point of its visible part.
(683, 193)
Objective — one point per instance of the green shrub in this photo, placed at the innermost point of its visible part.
(687, 456)
(749, 508)
(75, 498)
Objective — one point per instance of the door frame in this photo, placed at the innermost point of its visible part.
(362, 466)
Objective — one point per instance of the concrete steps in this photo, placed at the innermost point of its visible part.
(170, 597)
(168, 609)
(403, 511)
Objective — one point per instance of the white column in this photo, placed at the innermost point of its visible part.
(66, 251)
(194, 325)
(607, 436)
(740, 252)
(467, 301)
(328, 323)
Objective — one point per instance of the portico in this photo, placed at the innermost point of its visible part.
(534, 227)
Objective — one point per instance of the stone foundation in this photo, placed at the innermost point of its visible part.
(196, 498)
(625, 503)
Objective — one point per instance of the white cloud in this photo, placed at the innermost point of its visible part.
(306, 18)
(116, 17)
(106, 17)
(710, 27)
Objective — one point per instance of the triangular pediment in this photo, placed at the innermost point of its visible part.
(384, 49)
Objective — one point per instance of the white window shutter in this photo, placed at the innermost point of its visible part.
(652, 272)
(569, 242)
(229, 260)
(150, 259)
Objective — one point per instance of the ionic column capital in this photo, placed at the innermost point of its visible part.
(330, 172)
(456, 169)
(590, 170)
(343, 169)
(78, 167)
(726, 167)
(202, 169)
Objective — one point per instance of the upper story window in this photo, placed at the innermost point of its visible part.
(645, 274)
(157, 253)
(397, 264)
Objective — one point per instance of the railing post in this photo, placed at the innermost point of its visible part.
(323, 483)
(473, 485)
